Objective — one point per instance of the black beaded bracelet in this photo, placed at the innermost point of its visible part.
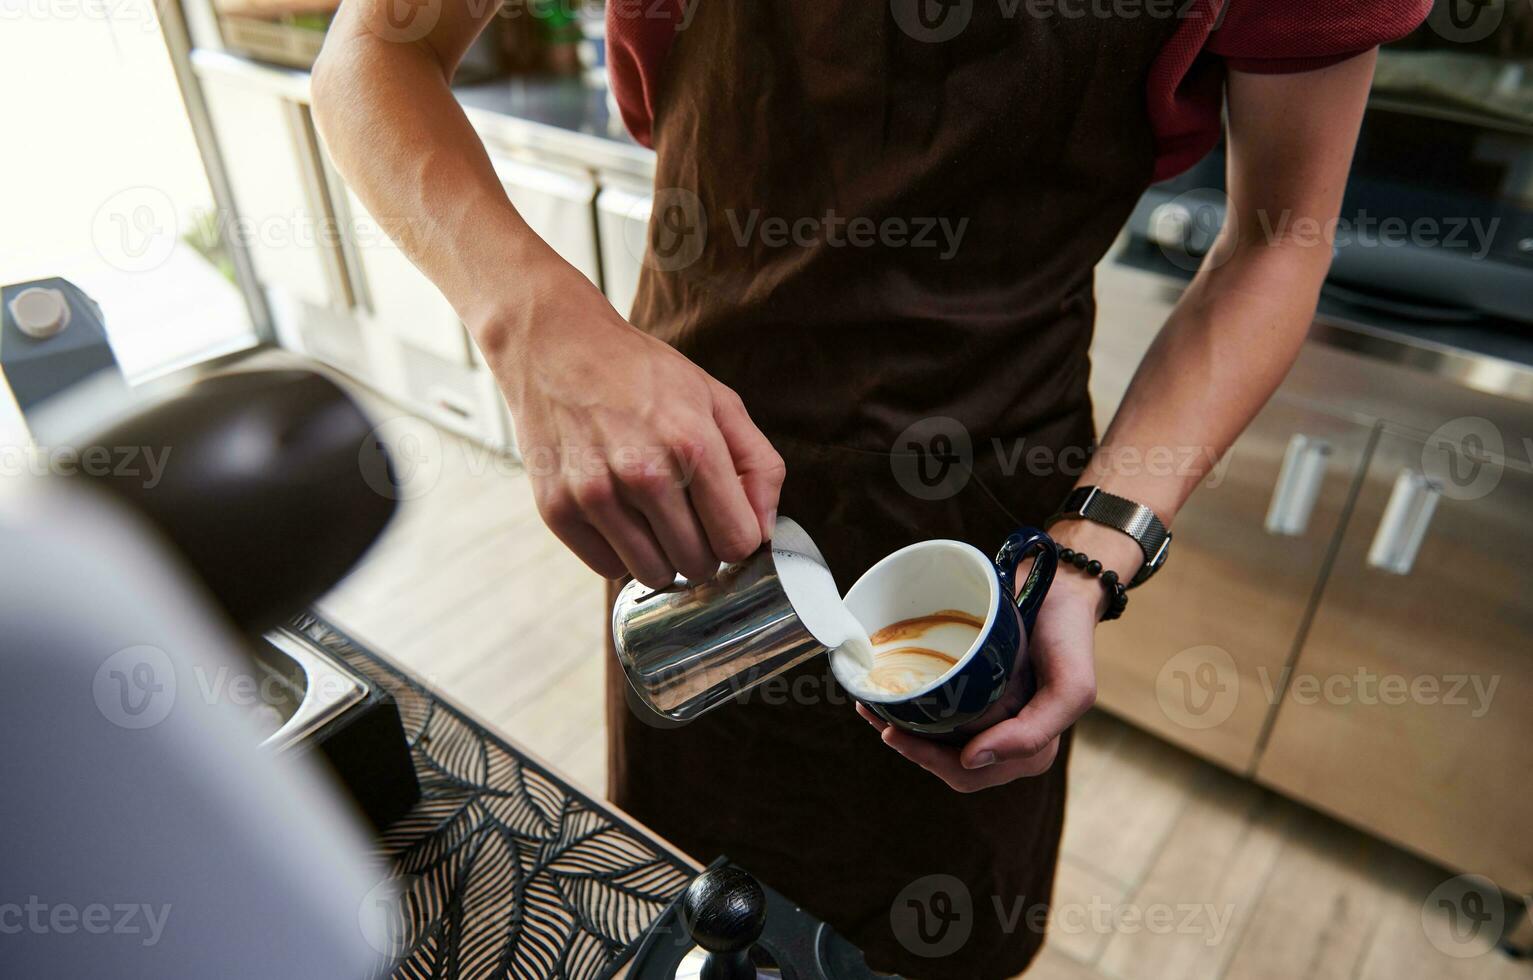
(1117, 592)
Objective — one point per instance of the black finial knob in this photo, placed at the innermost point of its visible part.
(724, 911)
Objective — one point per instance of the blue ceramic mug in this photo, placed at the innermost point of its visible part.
(946, 600)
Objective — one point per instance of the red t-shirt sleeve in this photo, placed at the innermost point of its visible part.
(1278, 36)
(639, 36)
(1185, 89)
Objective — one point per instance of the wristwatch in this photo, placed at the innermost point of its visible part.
(1136, 520)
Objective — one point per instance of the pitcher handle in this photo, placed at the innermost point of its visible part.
(1022, 543)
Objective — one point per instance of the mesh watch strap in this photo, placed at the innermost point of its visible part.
(1136, 520)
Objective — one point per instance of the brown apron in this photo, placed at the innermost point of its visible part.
(1027, 135)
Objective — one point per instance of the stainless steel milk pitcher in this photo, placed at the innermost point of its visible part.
(693, 646)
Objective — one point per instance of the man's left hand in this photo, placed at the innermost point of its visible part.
(1061, 651)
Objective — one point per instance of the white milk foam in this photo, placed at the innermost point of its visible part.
(812, 591)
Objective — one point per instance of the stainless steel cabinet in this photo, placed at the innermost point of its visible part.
(1407, 709)
(1208, 638)
(1347, 612)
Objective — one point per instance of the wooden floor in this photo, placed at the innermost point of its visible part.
(1205, 875)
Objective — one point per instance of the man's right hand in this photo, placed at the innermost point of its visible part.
(640, 462)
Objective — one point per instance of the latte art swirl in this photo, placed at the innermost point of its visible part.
(905, 669)
(912, 653)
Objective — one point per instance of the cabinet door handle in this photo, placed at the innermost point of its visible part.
(1404, 524)
(1298, 485)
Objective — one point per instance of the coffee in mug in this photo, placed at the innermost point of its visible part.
(949, 630)
(912, 653)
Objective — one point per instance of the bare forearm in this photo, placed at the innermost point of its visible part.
(641, 462)
(406, 148)
(1223, 351)
(1239, 326)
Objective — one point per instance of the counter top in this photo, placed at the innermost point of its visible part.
(1491, 359)
(563, 116)
(503, 860)
(1496, 362)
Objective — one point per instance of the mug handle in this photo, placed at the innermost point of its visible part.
(1021, 543)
